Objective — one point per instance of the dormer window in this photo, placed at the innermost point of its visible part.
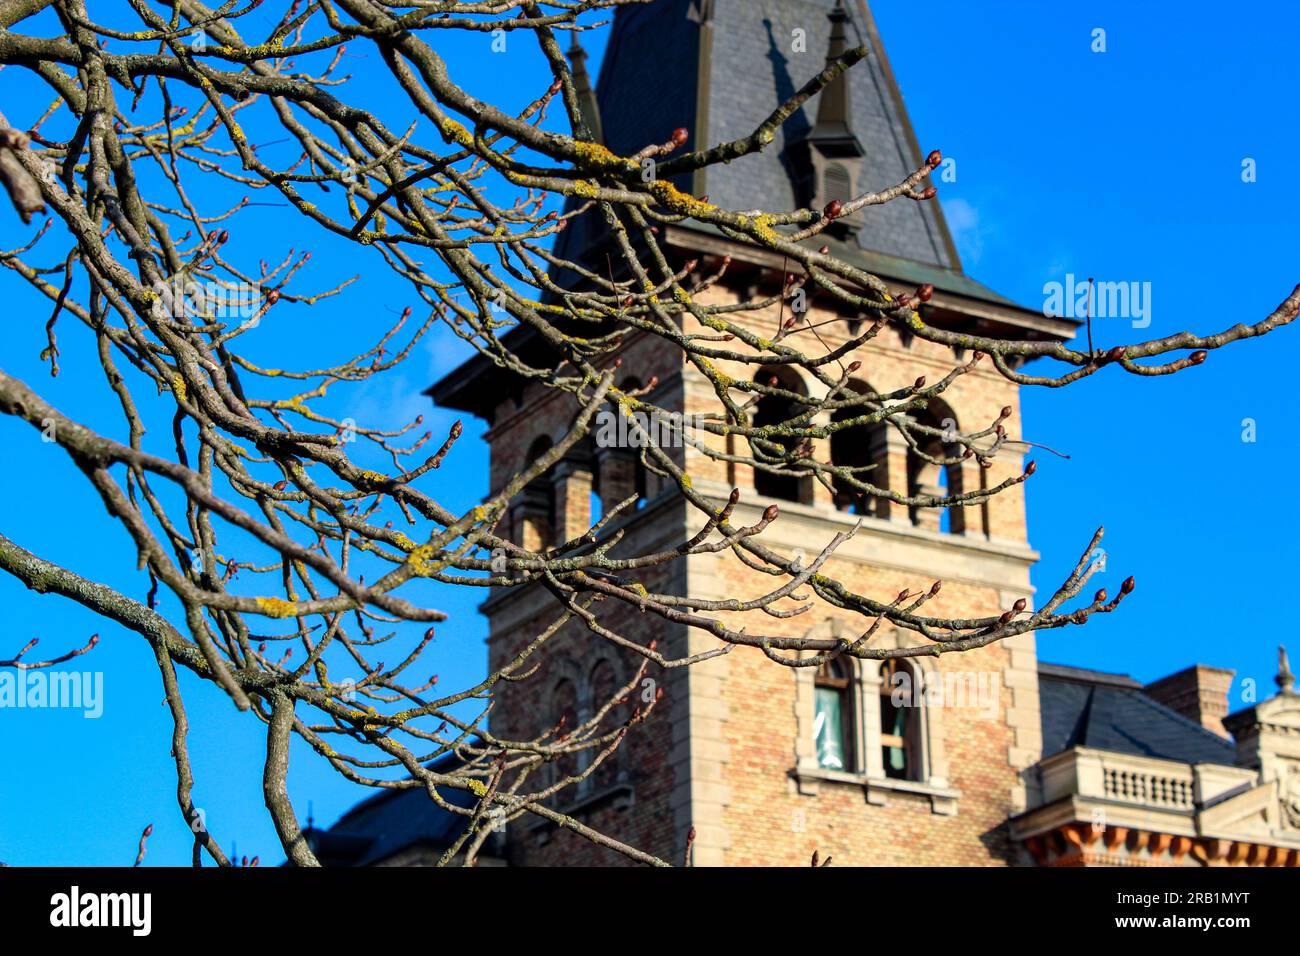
(831, 154)
(837, 183)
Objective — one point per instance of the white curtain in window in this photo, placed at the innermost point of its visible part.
(828, 728)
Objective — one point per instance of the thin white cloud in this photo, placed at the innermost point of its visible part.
(967, 231)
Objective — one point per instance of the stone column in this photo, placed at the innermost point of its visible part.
(970, 519)
(573, 482)
(929, 518)
(617, 468)
(889, 451)
(821, 495)
(530, 516)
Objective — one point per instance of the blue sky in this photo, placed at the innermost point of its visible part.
(1125, 165)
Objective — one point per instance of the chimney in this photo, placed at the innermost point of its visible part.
(1199, 693)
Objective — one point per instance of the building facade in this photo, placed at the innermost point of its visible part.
(981, 758)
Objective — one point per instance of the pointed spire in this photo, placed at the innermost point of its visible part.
(700, 11)
(586, 94)
(1285, 679)
(832, 130)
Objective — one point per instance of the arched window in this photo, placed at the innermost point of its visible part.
(604, 684)
(618, 448)
(540, 446)
(776, 410)
(533, 513)
(833, 716)
(899, 721)
(564, 714)
(859, 446)
(924, 477)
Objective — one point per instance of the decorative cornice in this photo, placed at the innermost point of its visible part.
(1082, 844)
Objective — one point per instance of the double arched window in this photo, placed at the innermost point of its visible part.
(576, 698)
(836, 728)
(621, 460)
(866, 722)
(566, 717)
(918, 464)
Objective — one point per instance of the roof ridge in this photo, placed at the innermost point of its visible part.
(1088, 676)
(1169, 711)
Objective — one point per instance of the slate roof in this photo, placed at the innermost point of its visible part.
(720, 72)
(389, 822)
(1083, 708)
(717, 68)
(753, 68)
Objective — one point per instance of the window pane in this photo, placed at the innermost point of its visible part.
(894, 723)
(828, 728)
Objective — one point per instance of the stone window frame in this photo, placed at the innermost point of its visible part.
(587, 793)
(846, 689)
(566, 669)
(865, 732)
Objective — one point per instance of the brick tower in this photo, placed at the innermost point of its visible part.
(766, 762)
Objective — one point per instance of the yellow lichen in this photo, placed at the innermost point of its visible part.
(275, 607)
(679, 202)
(763, 229)
(178, 387)
(478, 787)
(594, 154)
(422, 561)
(456, 133)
